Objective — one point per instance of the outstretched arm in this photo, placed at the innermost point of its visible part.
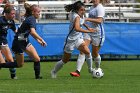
(37, 37)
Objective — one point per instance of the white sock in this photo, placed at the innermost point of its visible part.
(89, 61)
(80, 61)
(58, 66)
(97, 61)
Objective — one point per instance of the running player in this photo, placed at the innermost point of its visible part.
(75, 37)
(7, 22)
(95, 20)
(21, 42)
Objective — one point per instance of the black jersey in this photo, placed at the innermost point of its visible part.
(24, 28)
(4, 26)
(21, 40)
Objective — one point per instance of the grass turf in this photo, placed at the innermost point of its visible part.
(119, 77)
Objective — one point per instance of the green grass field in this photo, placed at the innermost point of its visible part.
(119, 77)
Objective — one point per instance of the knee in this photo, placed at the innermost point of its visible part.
(37, 59)
(10, 60)
(87, 52)
(95, 55)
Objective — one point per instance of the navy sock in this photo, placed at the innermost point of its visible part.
(37, 69)
(12, 72)
(9, 65)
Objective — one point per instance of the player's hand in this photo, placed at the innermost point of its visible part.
(92, 30)
(43, 43)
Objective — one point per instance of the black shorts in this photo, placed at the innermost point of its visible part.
(18, 46)
(3, 42)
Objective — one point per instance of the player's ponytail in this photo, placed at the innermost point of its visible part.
(69, 7)
(29, 8)
(74, 7)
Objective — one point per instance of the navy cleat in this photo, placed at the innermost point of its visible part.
(38, 77)
(13, 76)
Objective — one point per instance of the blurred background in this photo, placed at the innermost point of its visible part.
(122, 27)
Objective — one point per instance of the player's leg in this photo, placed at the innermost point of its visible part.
(96, 44)
(2, 60)
(31, 51)
(60, 64)
(96, 56)
(68, 48)
(19, 57)
(80, 61)
(84, 48)
(8, 56)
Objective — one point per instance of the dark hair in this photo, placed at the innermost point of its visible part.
(8, 8)
(74, 7)
(29, 8)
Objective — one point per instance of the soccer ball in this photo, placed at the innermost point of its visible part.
(97, 73)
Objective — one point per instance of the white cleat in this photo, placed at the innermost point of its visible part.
(53, 74)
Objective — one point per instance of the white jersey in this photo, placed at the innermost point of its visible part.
(74, 35)
(74, 38)
(95, 12)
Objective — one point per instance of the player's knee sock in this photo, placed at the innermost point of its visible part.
(80, 61)
(37, 69)
(97, 61)
(9, 65)
(89, 62)
(58, 66)
(12, 72)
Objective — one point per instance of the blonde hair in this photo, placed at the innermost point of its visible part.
(29, 8)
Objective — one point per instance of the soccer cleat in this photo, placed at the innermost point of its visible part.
(13, 76)
(39, 77)
(75, 74)
(53, 74)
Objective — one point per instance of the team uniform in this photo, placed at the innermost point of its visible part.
(74, 38)
(4, 26)
(97, 37)
(21, 39)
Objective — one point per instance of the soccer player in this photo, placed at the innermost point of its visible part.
(21, 42)
(75, 37)
(7, 22)
(95, 20)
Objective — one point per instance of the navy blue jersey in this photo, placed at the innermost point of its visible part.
(24, 28)
(4, 26)
(21, 40)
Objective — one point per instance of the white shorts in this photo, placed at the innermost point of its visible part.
(70, 45)
(96, 40)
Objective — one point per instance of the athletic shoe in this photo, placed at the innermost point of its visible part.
(75, 74)
(13, 76)
(53, 74)
(39, 77)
